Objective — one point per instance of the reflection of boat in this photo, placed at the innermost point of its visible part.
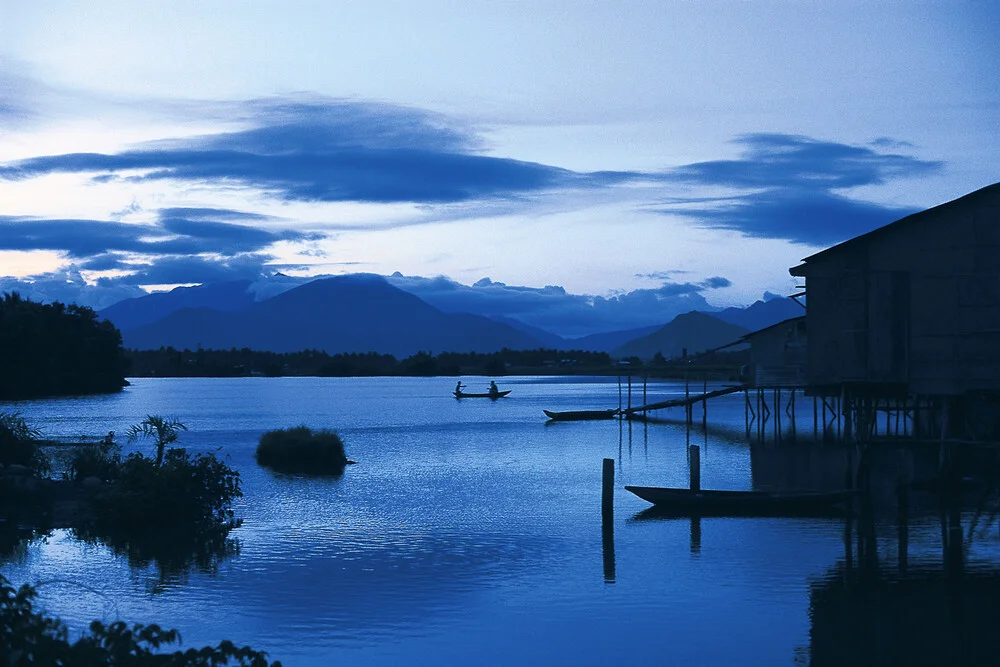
(737, 503)
(499, 394)
(576, 415)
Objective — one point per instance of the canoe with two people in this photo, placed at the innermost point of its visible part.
(493, 393)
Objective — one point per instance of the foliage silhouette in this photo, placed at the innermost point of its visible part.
(56, 350)
(28, 637)
(301, 450)
(153, 426)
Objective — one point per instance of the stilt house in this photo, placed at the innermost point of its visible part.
(910, 313)
(778, 355)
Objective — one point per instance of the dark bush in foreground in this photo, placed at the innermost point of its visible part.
(30, 638)
(300, 450)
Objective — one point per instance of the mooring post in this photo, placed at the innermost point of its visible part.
(630, 392)
(608, 490)
(644, 401)
(619, 395)
(608, 520)
(695, 455)
(704, 401)
(687, 399)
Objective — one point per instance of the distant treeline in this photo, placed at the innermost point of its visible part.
(169, 362)
(56, 350)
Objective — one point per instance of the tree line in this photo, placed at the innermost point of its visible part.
(170, 362)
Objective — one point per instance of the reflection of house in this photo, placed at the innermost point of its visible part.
(927, 617)
(913, 310)
(778, 354)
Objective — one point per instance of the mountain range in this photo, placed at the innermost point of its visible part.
(364, 313)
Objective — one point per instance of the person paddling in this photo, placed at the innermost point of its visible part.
(494, 391)
(458, 387)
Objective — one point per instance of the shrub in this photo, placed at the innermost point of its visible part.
(19, 444)
(190, 492)
(300, 450)
(28, 637)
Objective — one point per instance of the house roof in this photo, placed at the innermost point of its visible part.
(989, 196)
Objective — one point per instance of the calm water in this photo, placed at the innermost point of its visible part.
(470, 531)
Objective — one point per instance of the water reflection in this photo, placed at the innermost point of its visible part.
(170, 555)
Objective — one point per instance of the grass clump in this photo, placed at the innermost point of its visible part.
(302, 450)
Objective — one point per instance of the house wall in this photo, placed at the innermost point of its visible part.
(778, 355)
(917, 305)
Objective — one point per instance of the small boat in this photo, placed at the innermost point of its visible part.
(578, 415)
(741, 503)
(499, 394)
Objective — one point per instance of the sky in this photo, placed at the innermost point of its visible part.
(661, 153)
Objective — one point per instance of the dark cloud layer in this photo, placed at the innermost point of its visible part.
(325, 150)
(175, 233)
(790, 188)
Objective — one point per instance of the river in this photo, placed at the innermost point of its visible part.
(470, 531)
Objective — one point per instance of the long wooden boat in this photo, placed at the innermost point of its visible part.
(499, 394)
(741, 503)
(578, 415)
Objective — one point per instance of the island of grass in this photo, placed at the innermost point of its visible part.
(302, 450)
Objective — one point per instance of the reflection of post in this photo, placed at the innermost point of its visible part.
(903, 497)
(695, 479)
(608, 520)
(695, 534)
(848, 542)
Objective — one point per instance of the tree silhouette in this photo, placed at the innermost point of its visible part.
(56, 350)
(161, 428)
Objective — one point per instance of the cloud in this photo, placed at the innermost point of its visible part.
(787, 188)
(553, 309)
(177, 232)
(179, 270)
(68, 286)
(323, 150)
(716, 282)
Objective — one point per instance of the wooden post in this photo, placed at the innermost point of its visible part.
(695, 455)
(619, 394)
(644, 401)
(629, 392)
(777, 415)
(608, 520)
(816, 420)
(608, 490)
(746, 411)
(704, 401)
(687, 398)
